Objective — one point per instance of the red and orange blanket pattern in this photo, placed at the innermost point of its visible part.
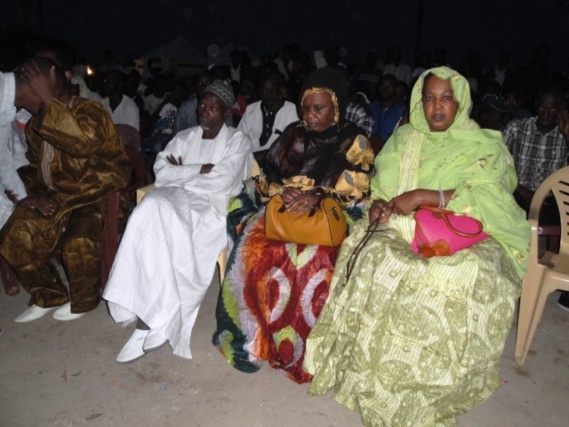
(271, 297)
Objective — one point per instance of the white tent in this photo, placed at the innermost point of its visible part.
(222, 56)
(219, 56)
(178, 56)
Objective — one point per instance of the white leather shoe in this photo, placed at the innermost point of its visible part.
(132, 350)
(154, 341)
(32, 313)
(64, 314)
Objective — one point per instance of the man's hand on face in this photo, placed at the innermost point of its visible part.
(42, 85)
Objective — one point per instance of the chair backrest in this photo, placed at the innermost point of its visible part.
(558, 184)
(138, 169)
(118, 213)
(117, 210)
(129, 136)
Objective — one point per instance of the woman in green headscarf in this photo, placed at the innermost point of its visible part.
(411, 341)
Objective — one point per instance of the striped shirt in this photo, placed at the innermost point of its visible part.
(536, 155)
(358, 115)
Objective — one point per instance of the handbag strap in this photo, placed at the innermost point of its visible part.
(371, 228)
(444, 213)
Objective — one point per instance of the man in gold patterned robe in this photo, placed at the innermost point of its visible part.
(76, 160)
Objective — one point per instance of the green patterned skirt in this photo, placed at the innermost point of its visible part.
(408, 341)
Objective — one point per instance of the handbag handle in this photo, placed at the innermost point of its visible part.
(443, 214)
(313, 209)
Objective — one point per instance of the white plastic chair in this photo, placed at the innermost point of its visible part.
(548, 272)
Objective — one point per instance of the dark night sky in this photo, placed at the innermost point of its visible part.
(132, 27)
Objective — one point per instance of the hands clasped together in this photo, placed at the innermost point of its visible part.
(206, 168)
(297, 201)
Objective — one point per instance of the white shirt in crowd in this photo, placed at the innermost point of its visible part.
(252, 123)
(126, 112)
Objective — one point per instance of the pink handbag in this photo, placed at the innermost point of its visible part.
(441, 232)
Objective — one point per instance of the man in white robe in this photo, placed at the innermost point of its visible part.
(167, 257)
(7, 115)
(265, 120)
(11, 186)
(12, 157)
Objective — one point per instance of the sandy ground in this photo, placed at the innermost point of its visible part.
(64, 374)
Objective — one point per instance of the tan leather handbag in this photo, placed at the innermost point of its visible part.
(324, 224)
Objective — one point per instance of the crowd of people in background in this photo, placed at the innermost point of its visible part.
(379, 89)
(501, 90)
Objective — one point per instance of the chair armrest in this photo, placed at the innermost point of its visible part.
(534, 244)
(141, 192)
(130, 188)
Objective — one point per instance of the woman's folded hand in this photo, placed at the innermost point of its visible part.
(289, 194)
(406, 202)
(380, 210)
(302, 203)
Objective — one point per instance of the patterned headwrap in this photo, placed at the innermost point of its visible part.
(330, 92)
(223, 91)
(329, 81)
